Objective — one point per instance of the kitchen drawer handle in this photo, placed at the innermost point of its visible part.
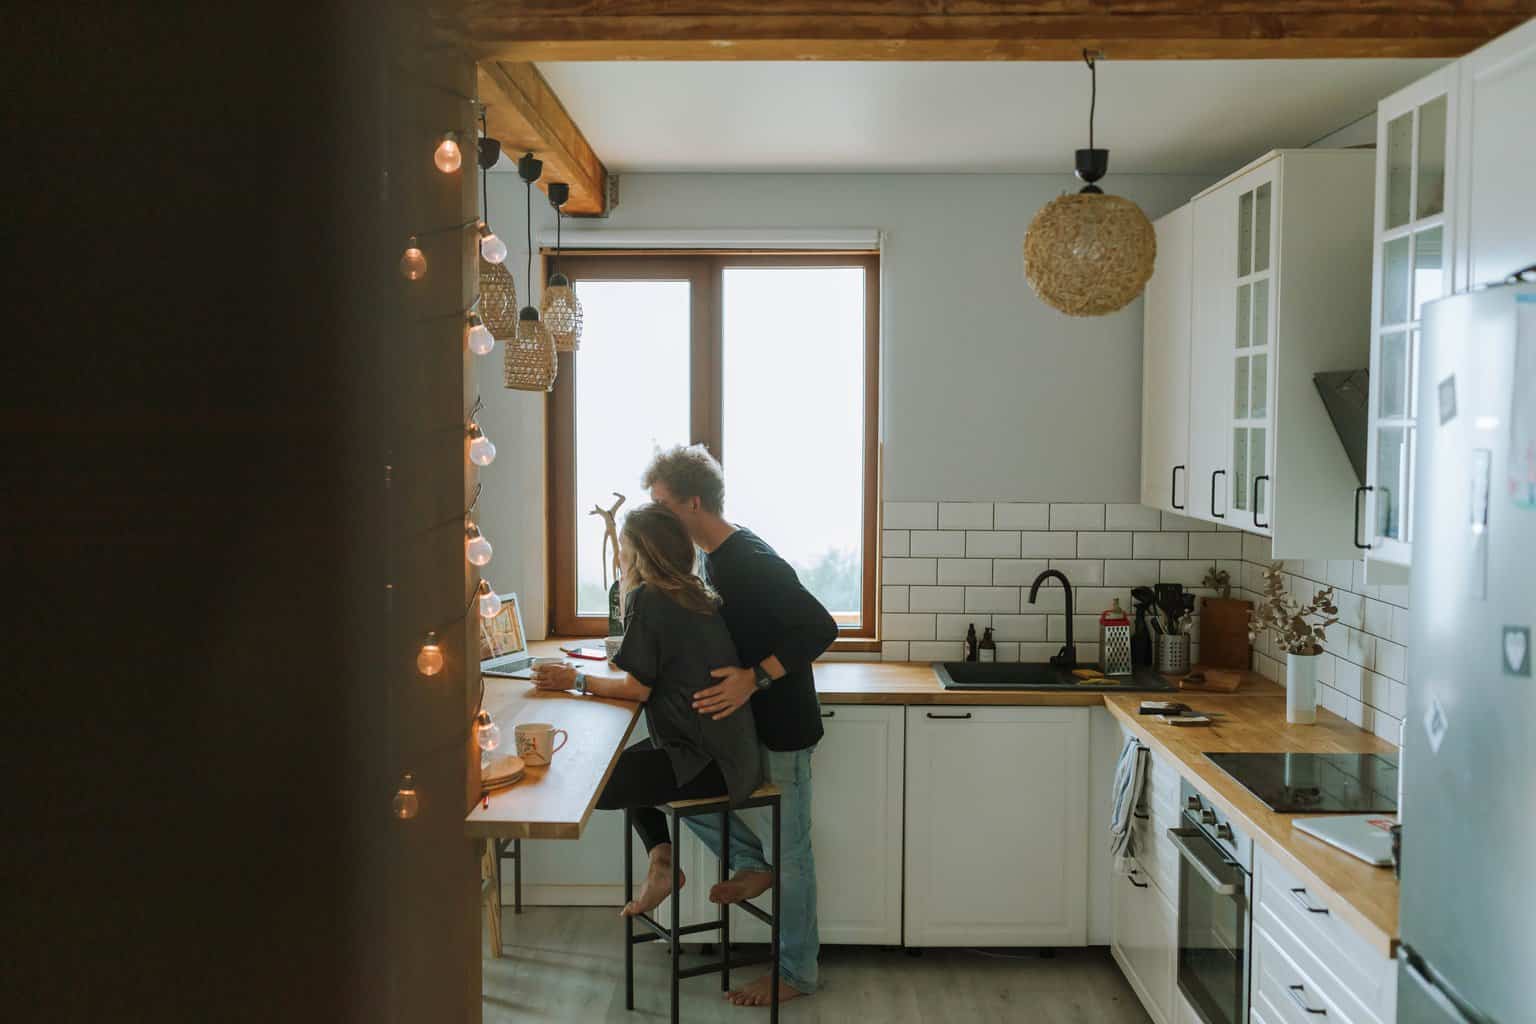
(1140, 814)
(1214, 474)
(1300, 898)
(1261, 476)
(965, 715)
(1131, 877)
(1295, 992)
(1173, 487)
(828, 714)
(1356, 538)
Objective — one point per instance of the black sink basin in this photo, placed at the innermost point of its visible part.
(987, 675)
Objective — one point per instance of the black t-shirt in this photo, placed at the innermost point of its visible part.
(769, 612)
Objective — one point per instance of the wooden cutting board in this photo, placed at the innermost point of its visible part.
(1224, 632)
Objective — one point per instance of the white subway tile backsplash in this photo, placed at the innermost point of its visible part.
(931, 651)
(911, 515)
(1104, 545)
(940, 543)
(1215, 545)
(1034, 544)
(1160, 545)
(1351, 608)
(893, 650)
(1017, 572)
(965, 515)
(1189, 573)
(1077, 516)
(1393, 595)
(1006, 651)
(1051, 598)
(909, 570)
(1348, 677)
(1083, 572)
(1358, 584)
(1097, 599)
(1021, 515)
(1174, 521)
(1131, 517)
(953, 627)
(904, 626)
(1392, 659)
(1257, 549)
(893, 599)
(1402, 625)
(1085, 629)
(1341, 572)
(1378, 617)
(1019, 627)
(992, 599)
(991, 544)
(1131, 572)
(895, 543)
(976, 571)
(936, 599)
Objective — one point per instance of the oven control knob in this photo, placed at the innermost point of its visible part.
(1207, 817)
(1193, 803)
(1224, 831)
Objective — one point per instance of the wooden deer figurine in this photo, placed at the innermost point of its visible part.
(610, 536)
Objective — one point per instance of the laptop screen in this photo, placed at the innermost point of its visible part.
(502, 634)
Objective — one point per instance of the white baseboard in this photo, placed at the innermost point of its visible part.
(563, 895)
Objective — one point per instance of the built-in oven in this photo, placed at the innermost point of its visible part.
(1215, 890)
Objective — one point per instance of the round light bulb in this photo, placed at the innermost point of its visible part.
(447, 156)
(413, 263)
(479, 337)
(476, 548)
(405, 803)
(490, 604)
(487, 732)
(481, 451)
(492, 249)
(429, 660)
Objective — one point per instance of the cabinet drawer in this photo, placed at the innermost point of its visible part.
(1145, 945)
(1283, 993)
(1156, 855)
(1340, 961)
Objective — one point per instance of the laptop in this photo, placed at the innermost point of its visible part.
(1367, 836)
(503, 644)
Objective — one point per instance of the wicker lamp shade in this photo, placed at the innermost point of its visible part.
(530, 362)
(560, 310)
(498, 299)
(1088, 253)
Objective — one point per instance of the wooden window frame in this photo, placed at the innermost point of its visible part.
(704, 270)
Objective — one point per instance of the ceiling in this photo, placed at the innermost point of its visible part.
(1156, 117)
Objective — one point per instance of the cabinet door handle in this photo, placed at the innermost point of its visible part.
(828, 714)
(1299, 897)
(1132, 879)
(1295, 992)
(1356, 538)
(1214, 474)
(965, 715)
(1262, 476)
(1173, 488)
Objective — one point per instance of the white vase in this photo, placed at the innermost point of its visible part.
(1301, 688)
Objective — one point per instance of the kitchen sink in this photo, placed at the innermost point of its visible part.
(978, 675)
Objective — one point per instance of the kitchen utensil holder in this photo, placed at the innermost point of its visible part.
(1172, 652)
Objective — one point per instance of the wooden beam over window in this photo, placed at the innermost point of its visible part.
(572, 30)
(525, 114)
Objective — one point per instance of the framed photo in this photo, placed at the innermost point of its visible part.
(502, 634)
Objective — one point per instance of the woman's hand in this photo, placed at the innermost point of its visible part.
(554, 677)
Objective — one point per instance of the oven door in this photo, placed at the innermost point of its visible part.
(1213, 928)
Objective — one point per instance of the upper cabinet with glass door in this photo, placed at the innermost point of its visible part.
(1411, 266)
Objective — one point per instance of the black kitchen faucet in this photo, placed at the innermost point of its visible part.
(1067, 656)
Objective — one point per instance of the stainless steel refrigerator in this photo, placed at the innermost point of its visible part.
(1469, 754)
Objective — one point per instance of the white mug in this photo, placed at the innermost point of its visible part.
(536, 741)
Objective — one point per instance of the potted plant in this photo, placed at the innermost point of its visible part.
(1298, 630)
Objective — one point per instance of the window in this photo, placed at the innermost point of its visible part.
(771, 361)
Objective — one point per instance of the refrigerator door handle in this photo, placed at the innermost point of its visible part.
(1436, 994)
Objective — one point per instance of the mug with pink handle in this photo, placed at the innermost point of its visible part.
(536, 741)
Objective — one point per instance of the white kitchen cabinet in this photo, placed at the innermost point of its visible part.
(1145, 942)
(1414, 218)
(996, 828)
(1280, 291)
(1165, 367)
(856, 833)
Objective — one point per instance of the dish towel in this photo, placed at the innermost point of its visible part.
(1130, 777)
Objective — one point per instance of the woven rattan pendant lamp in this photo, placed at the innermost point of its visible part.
(529, 360)
(1088, 254)
(559, 306)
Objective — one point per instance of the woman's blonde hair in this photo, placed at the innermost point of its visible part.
(658, 553)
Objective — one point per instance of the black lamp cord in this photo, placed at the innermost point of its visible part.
(528, 222)
(1093, 92)
(485, 191)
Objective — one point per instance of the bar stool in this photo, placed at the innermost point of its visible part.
(677, 811)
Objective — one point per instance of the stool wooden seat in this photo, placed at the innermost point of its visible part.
(766, 795)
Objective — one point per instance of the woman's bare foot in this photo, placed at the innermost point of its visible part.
(757, 993)
(657, 885)
(744, 885)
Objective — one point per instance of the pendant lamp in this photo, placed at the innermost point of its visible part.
(530, 361)
(559, 305)
(1089, 253)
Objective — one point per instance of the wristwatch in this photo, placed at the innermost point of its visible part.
(581, 683)
(764, 680)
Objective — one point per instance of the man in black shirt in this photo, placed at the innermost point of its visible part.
(779, 629)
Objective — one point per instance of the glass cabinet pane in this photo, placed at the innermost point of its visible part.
(1256, 458)
(1244, 314)
(1431, 186)
(1392, 458)
(1240, 390)
(1413, 377)
(1260, 333)
(1393, 401)
(1394, 281)
(1428, 268)
(1399, 169)
(1261, 228)
(1240, 467)
(1258, 406)
(1245, 234)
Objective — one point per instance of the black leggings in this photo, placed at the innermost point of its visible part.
(643, 778)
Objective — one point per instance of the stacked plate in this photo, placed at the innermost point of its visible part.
(501, 773)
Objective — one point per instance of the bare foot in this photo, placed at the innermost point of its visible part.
(745, 885)
(657, 885)
(757, 993)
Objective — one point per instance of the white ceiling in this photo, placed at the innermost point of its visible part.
(1168, 117)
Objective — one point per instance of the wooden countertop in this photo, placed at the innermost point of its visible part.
(1363, 895)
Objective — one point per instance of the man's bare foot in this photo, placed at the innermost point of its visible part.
(757, 993)
(657, 885)
(744, 885)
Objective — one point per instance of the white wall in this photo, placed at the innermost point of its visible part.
(987, 392)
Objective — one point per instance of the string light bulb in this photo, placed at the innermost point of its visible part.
(481, 451)
(447, 156)
(492, 249)
(406, 803)
(413, 263)
(476, 548)
(477, 336)
(429, 660)
(490, 604)
(487, 732)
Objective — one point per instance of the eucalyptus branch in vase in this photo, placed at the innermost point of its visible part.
(1297, 628)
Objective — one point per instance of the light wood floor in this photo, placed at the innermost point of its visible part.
(567, 964)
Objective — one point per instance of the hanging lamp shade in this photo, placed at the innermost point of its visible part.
(560, 311)
(530, 361)
(498, 299)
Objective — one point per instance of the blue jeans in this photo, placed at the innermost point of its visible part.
(799, 941)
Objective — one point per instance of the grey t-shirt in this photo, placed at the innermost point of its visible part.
(672, 650)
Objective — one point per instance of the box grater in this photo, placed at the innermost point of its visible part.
(1115, 642)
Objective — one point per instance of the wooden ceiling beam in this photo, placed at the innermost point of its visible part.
(574, 30)
(525, 114)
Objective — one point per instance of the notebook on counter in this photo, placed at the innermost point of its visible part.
(1367, 836)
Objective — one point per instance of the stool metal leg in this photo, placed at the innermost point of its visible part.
(676, 943)
(773, 986)
(725, 908)
(629, 922)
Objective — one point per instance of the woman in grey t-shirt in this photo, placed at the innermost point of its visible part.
(673, 637)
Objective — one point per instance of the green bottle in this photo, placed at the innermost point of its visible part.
(615, 617)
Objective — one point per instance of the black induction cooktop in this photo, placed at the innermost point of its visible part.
(1316, 783)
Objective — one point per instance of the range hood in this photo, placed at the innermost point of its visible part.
(1346, 396)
